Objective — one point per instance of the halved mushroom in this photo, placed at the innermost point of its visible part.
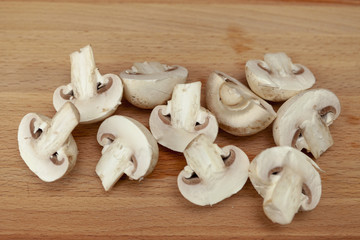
(238, 111)
(287, 179)
(303, 121)
(149, 84)
(176, 124)
(46, 145)
(212, 173)
(129, 148)
(96, 96)
(277, 78)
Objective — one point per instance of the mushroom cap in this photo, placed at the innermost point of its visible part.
(38, 161)
(267, 168)
(98, 107)
(178, 139)
(136, 137)
(277, 81)
(300, 109)
(238, 111)
(223, 183)
(147, 85)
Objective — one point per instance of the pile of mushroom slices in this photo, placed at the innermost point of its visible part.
(286, 178)
(47, 146)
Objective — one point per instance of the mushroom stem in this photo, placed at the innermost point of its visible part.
(230, 95)
(317, 135)
(114, 162)
(83, 73)
(204, 158)
(279, 63)
(185, 105)
(281, 204)
(59, 130)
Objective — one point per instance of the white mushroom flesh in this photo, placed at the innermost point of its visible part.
(238, 110)
(148, 68)
(287, 180)
(129, 148)
(150, 84)
(303, 121)
(96, 96)
(212, 174)
(114, 162)
(177, 124)
(184, 106)
(83, 77)
(46, 145)
(277, 78)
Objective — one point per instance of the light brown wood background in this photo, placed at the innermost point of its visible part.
(36, 39)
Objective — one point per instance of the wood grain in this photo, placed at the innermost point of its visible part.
(36, 39)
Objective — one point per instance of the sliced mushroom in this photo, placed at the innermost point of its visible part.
(238, 111)
(287, 180)
(212, 173)
(96, 96)
(128, 147)
(303, 121)
(277, 78)
(46, 145)
(176, 124)
(149, 84)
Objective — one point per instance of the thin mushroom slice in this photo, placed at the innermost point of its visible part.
(176, 124)
(212, 173)
(46, 145)
(149, 84)
(238, 111)
(96, 96)
(303, 121)
(288, 181)
(128, 148)
(277, 78)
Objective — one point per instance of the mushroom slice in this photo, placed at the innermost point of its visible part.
(212, 173)
(149, 84)
(176, 124)
(46, 145)
(238, 111)
(287, 180)
(303, 121)
(128, 147)
(96, 96)
(277, 78)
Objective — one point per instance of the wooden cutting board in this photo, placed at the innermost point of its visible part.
(36, 39)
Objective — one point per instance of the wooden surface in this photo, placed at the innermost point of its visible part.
(36, 39)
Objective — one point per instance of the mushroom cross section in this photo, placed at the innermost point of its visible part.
(287, 179)
(149, 84)
(303, 121)
(176, 124)
(128, 148)
(212, 173)
(96, 96)
(277, 78)
(46, 145)
(238, 111)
